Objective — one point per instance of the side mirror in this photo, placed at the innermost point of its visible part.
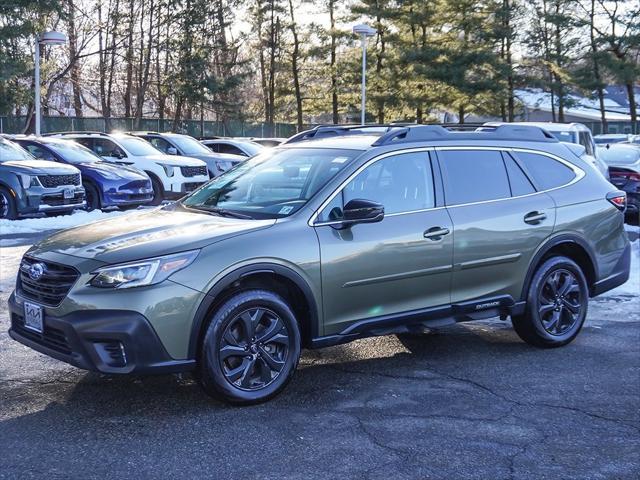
(172, 151)
(360, 210)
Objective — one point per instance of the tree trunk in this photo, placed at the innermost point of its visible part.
(129, 62)
(596, 68)
(461, 114)
(294, 68)
(73, 54)
(632, 108)
(334, 73)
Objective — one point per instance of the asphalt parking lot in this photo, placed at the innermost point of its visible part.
(471, 401)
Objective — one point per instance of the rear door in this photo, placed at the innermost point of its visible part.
(386, 269)
(499, 220)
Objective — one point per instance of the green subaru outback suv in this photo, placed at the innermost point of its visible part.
(335, 236)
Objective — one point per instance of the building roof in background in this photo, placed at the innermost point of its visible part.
(577, 106)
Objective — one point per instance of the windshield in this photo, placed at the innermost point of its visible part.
(190, 146)
(274, 184)
(73, 152)
(568, 137)
(10, 152)
(137, 146)
(252, 148)
(620, 155)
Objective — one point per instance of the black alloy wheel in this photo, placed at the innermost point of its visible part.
(557, 301)
(254, 348)
(560, 302)
(250, 348)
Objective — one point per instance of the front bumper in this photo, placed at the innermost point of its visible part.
(40, 199)
(107, 341)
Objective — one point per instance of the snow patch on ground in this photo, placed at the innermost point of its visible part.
(9, 261)
(36, 225)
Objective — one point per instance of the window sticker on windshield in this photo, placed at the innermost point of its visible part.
(286, 209)
(339, 159)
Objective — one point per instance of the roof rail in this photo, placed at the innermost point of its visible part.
(81, 132)
(324, 131)
(419, 133)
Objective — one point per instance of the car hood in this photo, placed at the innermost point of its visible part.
(147, 234)
(39, 167)
(123, 171)
(220, 156)
(177, 160)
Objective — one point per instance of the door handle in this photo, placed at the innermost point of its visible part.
(436, 233)
(533, 218)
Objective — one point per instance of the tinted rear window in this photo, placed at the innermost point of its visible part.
(520, 184)
(473, 176)
(545, 171)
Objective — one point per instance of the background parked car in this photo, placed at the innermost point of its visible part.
(268, 142)
(28, 185)
(609, 138)
(178, 144)
(623, 160)
(105, 184)
(571, 133)
(234, 146)
(171, 176)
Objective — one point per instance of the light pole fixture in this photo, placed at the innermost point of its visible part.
(364, 31)
(45, 38)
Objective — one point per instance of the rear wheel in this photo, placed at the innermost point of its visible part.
(556, 304)
(7, 205)
(250, 349)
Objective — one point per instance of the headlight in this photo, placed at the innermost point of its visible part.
(223, 165)
(142, 272)
(29, 180)
(168, 169)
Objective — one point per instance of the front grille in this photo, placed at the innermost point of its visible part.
(50, 288)
(57, 199)
(52, 338)
(52, 181)
(193, 171)
(191, 186)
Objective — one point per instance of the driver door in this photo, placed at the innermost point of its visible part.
(392, 267)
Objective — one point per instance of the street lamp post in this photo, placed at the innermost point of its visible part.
(45, 38)
(364, 31)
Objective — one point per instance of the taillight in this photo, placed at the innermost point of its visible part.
(627, 175)
(618, 199)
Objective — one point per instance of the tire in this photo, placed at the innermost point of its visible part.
(158, 190)
(8, 208)
(557, 303)
(93, 197)
(128, 207)
(251, 348)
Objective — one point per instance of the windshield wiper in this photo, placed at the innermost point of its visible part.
(223, 212)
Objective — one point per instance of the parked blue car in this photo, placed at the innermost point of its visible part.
(106, 184)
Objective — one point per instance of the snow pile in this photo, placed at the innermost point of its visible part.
(36, 225)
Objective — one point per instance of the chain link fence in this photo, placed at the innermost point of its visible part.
(196, 128)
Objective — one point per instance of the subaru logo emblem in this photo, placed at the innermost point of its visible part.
(36, 271)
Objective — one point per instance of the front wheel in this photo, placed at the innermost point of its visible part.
(251, 348)
(556, 304)
(8, 208)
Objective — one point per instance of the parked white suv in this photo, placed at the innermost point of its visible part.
(576, 133)
(172, 176)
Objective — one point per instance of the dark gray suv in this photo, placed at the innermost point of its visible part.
(326, 240)
(28, 185)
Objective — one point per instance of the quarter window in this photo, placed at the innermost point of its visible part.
(401, 183)
(520, 184)
(473, 176)
(545, 172)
